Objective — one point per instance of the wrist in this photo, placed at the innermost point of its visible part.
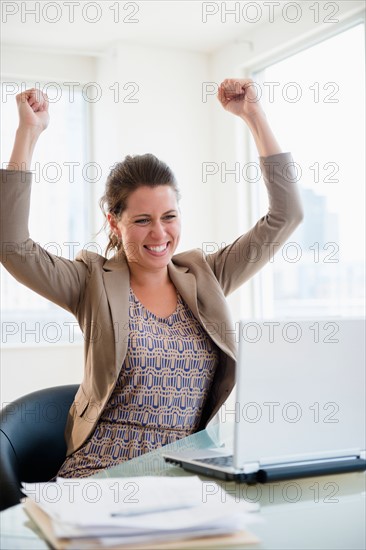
(25, 141)
(28, 133)
(255, 121)
(263, 136)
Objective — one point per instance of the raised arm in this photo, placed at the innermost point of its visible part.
(237, 262)
(58, 279)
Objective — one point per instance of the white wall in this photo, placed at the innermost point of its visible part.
(32, 64)
(26, 369)
(168, 119)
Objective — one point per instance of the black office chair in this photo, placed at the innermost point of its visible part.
(32, 444)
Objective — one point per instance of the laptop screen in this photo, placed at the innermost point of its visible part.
(300, 390)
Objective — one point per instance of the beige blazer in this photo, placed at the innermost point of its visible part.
(96, 289)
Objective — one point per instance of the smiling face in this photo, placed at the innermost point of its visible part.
(149, 227)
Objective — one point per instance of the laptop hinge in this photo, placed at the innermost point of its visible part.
(250, 467)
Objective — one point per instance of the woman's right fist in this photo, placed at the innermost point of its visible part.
(33, 109)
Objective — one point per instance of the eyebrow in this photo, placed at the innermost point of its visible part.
(148, 215)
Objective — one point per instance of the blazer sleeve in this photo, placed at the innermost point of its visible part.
(237, 262)
(58, 279)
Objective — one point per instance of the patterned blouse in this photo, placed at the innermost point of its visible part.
(160, 392)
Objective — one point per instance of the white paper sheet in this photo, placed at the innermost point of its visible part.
(140, 508)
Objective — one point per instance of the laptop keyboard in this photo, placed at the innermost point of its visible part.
(226, 461)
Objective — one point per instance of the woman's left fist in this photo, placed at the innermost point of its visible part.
(240, 97)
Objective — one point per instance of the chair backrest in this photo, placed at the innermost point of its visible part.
(32, 444)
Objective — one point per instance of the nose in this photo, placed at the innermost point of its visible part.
(157, 231)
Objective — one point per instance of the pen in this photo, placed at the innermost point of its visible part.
(127, 513)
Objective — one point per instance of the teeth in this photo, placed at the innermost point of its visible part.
(157, 248)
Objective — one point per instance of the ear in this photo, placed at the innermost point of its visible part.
(113, 224)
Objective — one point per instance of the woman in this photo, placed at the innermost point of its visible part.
(159, 344)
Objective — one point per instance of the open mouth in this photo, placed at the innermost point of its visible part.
(157, 249)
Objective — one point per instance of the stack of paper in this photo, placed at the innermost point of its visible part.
(138, 513)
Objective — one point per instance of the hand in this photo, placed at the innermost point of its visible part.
(240, 97)
(33, 110)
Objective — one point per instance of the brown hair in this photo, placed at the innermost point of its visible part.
(124, 178)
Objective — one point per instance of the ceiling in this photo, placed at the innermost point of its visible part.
(68, 26)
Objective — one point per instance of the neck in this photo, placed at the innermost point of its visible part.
(152, 279)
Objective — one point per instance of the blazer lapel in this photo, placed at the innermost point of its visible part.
(116, 278)
(185, 283)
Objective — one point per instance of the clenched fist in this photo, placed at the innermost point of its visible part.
(240, 97)
(33, 110)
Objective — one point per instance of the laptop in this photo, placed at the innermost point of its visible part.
(299, 406)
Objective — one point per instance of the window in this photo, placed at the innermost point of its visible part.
(315, 102)
(60, 212)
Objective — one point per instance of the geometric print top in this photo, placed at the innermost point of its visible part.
(160, 392)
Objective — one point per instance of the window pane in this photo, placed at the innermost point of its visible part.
(315, 102)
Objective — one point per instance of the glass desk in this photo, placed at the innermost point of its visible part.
(325, 512)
